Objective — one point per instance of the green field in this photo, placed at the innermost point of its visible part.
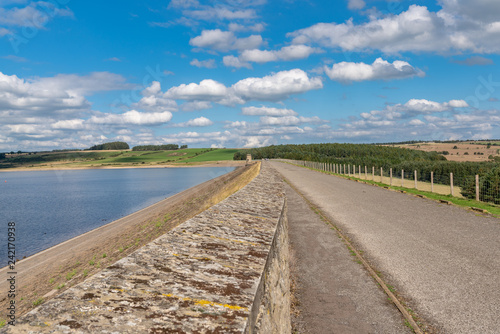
(77, 159)
(216, 155)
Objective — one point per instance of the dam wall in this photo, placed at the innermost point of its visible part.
(222, 271)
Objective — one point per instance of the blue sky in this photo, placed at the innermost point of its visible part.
(249, 73)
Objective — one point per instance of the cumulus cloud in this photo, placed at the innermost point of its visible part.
(356, 4)
(274, 87)
(207, 89)
(481, 10)
(232, 61)
(154, 100)
(379, 70)
(197, 122)
(83, 85)
(266, 111)
(225, 41)
(35, 15)
(452, 29)
(258, 56)
(277, 86)
(209, 63)
(287, 53)
(288, 120)
(220, 13)
(133, 117)
(195, 105)
(416, 119)
(62, 94)
(258, 27)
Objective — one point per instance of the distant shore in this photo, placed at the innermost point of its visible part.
(55, 166)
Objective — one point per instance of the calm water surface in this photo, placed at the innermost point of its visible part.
(50, 207)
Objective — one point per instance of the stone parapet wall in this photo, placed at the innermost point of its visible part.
(223, 271)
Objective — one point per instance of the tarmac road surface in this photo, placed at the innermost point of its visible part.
(444, 260)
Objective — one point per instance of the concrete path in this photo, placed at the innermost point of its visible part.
(443, 260)
(334, 293)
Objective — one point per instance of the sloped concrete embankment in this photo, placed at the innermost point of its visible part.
(223, 271)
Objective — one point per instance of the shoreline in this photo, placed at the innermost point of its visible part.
(166, 201)
(222, 163)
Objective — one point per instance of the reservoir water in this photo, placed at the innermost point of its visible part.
(49, 207)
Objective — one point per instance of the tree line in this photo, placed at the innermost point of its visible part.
(116, 145)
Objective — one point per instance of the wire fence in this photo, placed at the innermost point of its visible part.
(474, 187)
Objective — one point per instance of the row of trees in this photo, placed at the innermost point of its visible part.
(167, 147)
(116, 145)
(391, 157)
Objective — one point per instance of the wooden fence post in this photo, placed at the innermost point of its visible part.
(381, 175)
(366, 173)
(344, 168)
(477, 187)
(432, 182)
(402, 177)
(416, 180)
(373, 173)
(390, 172)
(451, 184)
(359, 168)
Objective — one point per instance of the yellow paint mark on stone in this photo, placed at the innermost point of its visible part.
(202, 302)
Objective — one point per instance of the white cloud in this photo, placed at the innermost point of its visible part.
(295, 52)
(266, 111)
(232, 61)
(207, 89)
(356, 4)
(285, 120)
(198, 122)
(481, 10)
(133, 117)
(195, 105)
(257, 141)
(35, 15)
(209, 63)
(155, 100)
(258, 27)
(423, 106)
(277, 86)
(49, 96)
(183, 3)
(220, 13)
(258, 56)
(418, 119)
(72, 124)
(225, 40)
(288, 120)
(287, 53)
(379, 70)
(456, 28)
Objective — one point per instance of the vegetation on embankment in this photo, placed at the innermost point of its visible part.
(392, 157)
(117, 158)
